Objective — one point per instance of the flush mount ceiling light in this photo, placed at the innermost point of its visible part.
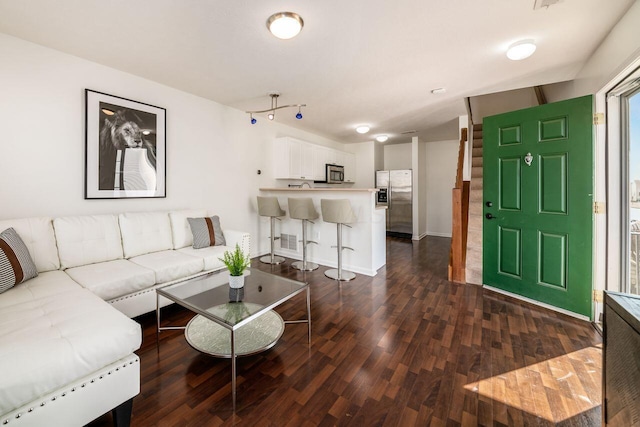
(382, 138)
(362, 129)
(285, 25)
(521, 50)
(274, 106)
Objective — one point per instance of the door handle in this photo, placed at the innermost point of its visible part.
(489, 216)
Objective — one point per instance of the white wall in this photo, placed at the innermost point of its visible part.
(213, 153)
(441, 159)
(619, 49)
(397, 156)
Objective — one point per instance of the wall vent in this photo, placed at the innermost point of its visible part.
(289, 241)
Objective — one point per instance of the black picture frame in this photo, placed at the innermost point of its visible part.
(125, 148)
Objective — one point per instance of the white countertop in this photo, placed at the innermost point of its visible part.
(351, 190)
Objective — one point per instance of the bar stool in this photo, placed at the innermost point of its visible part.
(302, 208)
(269, 206)
(339, 212)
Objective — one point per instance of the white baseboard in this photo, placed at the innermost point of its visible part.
(437, 234)
(538, 303)
(420, 237)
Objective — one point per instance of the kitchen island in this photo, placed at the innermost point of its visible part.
(367, 236)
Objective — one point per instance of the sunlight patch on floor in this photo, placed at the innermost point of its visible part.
(555, 389)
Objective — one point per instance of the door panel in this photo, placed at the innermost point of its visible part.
(510, 247)
(552, 265)
(553, 183)
(538, 243)
(510, 186)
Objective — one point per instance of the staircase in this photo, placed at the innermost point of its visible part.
(474, 237)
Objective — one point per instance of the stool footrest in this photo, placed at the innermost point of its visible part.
(347, 247)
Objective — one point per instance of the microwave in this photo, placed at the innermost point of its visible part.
(335, 174)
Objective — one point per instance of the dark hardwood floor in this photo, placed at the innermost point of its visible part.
(404, 348)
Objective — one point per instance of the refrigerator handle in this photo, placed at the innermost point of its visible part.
(389, 195)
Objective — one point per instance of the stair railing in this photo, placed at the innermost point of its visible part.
(460, 219)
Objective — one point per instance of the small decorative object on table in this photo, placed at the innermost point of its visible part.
(236, 262)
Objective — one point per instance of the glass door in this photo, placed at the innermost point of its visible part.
(630, 132)
(623, 111)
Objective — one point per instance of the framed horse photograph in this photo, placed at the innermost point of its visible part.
(125, 148)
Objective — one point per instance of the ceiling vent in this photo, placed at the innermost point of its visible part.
(539, 4)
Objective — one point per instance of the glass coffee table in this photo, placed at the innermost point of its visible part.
(230, 329)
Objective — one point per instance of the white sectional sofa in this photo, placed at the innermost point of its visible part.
(67, 342)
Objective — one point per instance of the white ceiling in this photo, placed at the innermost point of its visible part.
(357, 61)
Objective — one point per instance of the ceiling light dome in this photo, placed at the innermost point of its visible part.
(382, 138)
(362, 129)
(521, 50)
(285, 25)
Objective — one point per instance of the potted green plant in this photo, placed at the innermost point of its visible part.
(236, 263)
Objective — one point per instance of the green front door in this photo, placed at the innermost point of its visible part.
(538, 203)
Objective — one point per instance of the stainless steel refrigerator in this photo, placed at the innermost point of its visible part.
(396, 192)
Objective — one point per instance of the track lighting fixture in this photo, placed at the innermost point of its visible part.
(274, 106)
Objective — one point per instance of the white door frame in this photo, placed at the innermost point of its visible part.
(608, 157)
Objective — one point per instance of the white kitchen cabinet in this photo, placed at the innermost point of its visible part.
(293, 159)
(349, 167)
(296, 159)
(306, 161)
(281, 156)
(321, 156)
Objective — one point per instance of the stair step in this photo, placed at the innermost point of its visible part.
(473, 276)
(477, 134)
(474, 256)
(476, 183)
(476, 152)
(475, 222)
(476, 161)
(477, 142)
(475, 208)
(475, 196)
(477, 126)
(476, 172)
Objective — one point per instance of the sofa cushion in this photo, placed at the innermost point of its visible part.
(45, 285)
(208, 255)
(206, 232)
(180, 230)
(87, 239)
(113, 279)
(16, 265)
(37, 234)
(170, 265)
(145, 232)
(52, 340)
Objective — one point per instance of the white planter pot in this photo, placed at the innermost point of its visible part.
(236, 281)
